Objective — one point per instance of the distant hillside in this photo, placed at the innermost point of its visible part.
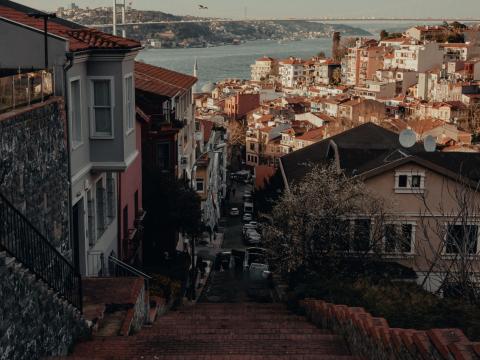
(211, 33)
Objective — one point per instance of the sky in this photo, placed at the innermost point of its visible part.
(290, 8)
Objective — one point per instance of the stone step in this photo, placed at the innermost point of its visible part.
(156, 346)
(233, 317)
(235, 337)
(238, 331)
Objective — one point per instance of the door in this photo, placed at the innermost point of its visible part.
(78, 236)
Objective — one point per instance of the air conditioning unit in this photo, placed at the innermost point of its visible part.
(184, 160)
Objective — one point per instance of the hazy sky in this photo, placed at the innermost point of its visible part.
(292, 8)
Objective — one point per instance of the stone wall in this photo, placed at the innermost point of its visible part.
(372, 338)
(34, 167)
(138, 314)
(34, 322)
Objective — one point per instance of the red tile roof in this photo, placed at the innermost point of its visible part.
(79, 37)
(161, 81)
(266, 59)
(313, 135)
(207, 129)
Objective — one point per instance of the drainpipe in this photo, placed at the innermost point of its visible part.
(67, 66)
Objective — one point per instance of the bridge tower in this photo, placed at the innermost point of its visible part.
(119, 7)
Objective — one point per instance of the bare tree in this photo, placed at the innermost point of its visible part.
(324, 219)
(448, 243)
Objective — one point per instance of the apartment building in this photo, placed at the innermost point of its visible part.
(460, 51)
(324, 71)
(291, 72)
(418, 57)
(362, 61)
(237, 106)
(164, 102)
(426, 33)
(211, 173)
(263, 68)
(94, 72)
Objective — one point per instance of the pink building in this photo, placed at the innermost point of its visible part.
(131, 214)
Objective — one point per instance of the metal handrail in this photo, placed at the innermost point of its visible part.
(23, 241)
(112, 260)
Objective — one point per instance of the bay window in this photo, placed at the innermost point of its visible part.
(101, 107)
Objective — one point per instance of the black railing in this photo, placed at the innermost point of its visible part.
(21, 240)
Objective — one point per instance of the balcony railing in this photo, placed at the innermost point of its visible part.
(25, 89)
(21, 240)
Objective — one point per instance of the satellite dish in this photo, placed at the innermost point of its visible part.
(407, 138)
(430, 143)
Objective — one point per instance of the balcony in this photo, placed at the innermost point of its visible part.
(25, 89)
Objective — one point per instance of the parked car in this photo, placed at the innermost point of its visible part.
(249, 226)
(247, 217)
(252, 237)
(254, 255)
(248, 207)
(234, 212)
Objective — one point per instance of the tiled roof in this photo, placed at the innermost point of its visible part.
(266, 59)
(80, 38)
(160, 81)
(207, 129)
(312, 135)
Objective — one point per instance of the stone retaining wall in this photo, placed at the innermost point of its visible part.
(372, 338)
(34, 322)
(34, 167)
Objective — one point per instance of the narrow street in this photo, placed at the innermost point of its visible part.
(232, 285)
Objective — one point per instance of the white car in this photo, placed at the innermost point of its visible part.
(234, 212)
(247, 217)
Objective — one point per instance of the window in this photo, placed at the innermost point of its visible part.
(163, 156)
(200, 185)
(101, 108)
(129, 103)
(111, 206)
(409, 181)
(399, 238)
(100, 206)
(75, 113)
(402, 181)
(416, 181)
(461, 239)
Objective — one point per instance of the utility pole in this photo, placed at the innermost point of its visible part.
(45, 18)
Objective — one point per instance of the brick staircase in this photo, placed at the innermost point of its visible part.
(222, 331)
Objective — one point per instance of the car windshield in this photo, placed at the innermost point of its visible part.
(256, 258)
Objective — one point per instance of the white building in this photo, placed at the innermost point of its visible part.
(415, 57)
(291, 72)
(263, 68)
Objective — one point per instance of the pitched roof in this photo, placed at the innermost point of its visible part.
(80, 38)
(160, 81)
(369, 149)
(207, 129)
(312, 135)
